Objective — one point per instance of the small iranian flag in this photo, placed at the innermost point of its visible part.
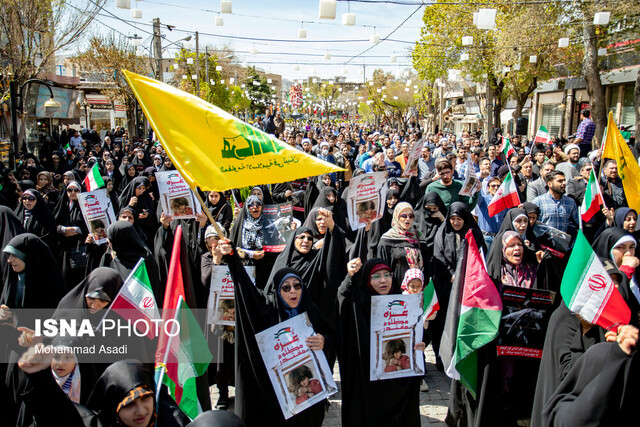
(592, 199)
(542, 136)
(480, 315)
(136, 300)
(506, 197)
(507, 148)
(588, 290)
(430, 300)
(67, 148)
(93, 180)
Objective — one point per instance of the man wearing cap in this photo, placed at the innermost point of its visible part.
(570, 167)
(585, 132)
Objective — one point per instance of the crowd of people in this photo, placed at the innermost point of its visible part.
(51, 260)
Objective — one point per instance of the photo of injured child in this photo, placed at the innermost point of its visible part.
(366, 211)
(302, 384)
(180, 207)
(394, 356)
(98, 229)
(227, 310)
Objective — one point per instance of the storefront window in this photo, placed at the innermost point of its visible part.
(628, 116)
(551, 118)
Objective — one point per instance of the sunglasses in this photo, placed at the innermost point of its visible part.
(72, 190)
(405, 216)
(287, 288)
(494, 186)
(255, 205)
(303, 237)
(29, 198)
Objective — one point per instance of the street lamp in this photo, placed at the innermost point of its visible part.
(50, 107)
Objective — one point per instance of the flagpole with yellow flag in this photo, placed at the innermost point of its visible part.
(214, 150)
(616, 148)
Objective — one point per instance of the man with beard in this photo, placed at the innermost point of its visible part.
(448, 188)
(556, 209)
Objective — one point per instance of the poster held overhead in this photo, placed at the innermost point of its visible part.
(367, 195)
(176, 197)
(98, 213)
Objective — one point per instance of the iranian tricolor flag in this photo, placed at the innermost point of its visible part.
(93, 180)
(430, 300)
(507, 148)
(136, 300)
(506, 197)
(588, 290)
(480, 315)
(67, 148)
(592, 199)
(542, 136)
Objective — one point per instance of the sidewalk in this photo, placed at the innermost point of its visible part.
(433, 404)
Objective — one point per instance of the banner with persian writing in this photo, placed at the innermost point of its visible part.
(98, 213)
(366, 199)
(176, 197)
(221, 308)
(525, 317)
(396, 327)
(300, 377)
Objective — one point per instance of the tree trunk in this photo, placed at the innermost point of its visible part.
(522, 98)
(591, 73)
(636, 100)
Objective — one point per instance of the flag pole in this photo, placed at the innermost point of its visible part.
(135, 268)
(163, 365)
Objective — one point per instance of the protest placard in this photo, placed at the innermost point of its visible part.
(300, 377)
(525, 316)
(176, 197)
(221, 309)
(276, 226)
(367, 196)
(98, 213)
(411, 169)
(396, 327)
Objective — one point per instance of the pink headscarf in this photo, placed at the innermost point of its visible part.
(412, 273)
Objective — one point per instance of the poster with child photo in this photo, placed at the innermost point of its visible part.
(300, 377)
(176, 197)
(396, 328)
(221, 309)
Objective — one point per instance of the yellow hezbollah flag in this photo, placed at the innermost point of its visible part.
(212, 149)
(616, 148)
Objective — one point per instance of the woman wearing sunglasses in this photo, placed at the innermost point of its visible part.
(36, 217)
(72, 232)
(257, 310)
(400, 246)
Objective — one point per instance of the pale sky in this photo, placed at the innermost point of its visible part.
(280, 20)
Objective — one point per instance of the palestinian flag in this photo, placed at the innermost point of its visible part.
(93, 180)
(186, 357)
(182, 358)
(542, 136)
(67, 149)
(136, 300)
(592, 199)
(430, 300)
(588, 290)
(507, 148)
(506, 197)
(480, 312)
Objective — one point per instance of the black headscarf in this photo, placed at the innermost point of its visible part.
(338, 207)
(126, 178)
(10, 227)
(381, 226)
(126, 243)
(43, 284)
(145, 204)
(217, 418)
(102, 283)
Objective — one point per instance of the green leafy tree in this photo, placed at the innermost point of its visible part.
(104, 59)
(258, 91)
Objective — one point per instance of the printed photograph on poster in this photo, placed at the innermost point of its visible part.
(412, 161)
(176, 197)
(98, 213)
(470, 185)
(525, 317)
(396, 327)
(300, 377)
(221, 309)
(367, 195)
(276, 226)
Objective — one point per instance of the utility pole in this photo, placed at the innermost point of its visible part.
(206, 65)
(157, 48)
(197, 65)
(489, 116)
